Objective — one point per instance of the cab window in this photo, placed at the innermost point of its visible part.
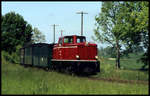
(81, 39)
(60, 41)
(68, 40)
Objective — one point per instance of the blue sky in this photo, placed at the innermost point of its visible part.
(43, 14)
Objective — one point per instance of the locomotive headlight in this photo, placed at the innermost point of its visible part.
(77, 56)
(96, 57)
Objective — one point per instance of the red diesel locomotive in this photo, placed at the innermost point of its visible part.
(73, 53)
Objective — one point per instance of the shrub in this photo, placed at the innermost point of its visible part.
(13, 57)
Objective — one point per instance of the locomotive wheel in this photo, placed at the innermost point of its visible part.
(88, 70)
(46, 69)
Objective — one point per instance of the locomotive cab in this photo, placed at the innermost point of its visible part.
(69, 40)
(75, 50)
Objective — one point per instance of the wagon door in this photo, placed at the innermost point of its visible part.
(22, 56)
(28, 56)
(35, 56)
(43, 56)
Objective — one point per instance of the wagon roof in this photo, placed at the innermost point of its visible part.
(37, 44)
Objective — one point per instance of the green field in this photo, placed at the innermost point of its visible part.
(130, 62)
(130, 72)
(19, 80)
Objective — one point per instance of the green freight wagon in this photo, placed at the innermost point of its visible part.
(38, 55)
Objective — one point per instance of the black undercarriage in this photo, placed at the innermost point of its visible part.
(76, 67)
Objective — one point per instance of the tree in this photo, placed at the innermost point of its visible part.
(124, 23)
(108, 22)
(38, 37)
(15, 31)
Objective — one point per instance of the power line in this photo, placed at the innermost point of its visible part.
(82, 20)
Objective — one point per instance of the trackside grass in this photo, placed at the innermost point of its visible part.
(19, 80)
(108, 70)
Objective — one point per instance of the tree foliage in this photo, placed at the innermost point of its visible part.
(135, 23)
(15, 31)
(38, 37)
(108, 52)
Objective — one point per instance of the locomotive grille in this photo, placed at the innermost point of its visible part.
(87, 52)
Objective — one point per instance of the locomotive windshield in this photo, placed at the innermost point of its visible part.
(68, 39)
(81, 39)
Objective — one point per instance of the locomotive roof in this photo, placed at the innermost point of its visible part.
(73, 35)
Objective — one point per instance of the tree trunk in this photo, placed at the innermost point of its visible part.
(118, 55)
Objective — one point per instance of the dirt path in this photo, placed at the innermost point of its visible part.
(119, 81)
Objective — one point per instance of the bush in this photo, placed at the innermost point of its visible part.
(14, 57)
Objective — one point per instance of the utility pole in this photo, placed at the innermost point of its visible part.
(61, 32)
(54, 25)
(82, 20)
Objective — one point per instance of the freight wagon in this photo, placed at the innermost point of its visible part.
(38, 55)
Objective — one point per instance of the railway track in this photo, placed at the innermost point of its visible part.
(119, 81)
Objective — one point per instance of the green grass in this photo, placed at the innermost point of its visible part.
(19, 80)
(108, 70)
(130, 62)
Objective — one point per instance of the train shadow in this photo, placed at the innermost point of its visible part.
(76, 74)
